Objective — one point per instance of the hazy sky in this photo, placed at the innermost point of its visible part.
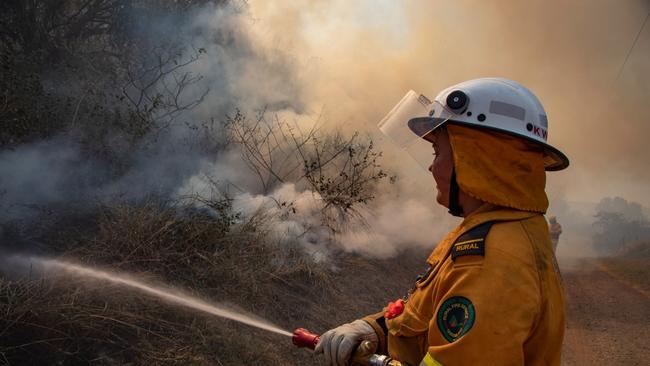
(356, 59)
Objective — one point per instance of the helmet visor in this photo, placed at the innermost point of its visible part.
(410, 121)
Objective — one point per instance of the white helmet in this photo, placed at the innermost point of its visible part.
(490, 103)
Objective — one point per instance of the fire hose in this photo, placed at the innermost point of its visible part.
(363, 356)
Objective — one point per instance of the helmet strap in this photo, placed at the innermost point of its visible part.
(454, 190)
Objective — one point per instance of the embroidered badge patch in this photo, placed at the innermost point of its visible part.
(455, 317)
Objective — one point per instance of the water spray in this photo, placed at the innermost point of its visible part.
(301, 338)
(161, 293)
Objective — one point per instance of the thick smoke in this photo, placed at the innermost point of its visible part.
(369, 54)
(397, 224)
(348, 63)
(365, 55)
(236, 74)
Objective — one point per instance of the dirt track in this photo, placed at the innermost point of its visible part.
(608, 319)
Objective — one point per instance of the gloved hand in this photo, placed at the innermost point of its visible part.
(339, 343)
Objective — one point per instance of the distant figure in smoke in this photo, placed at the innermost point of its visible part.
(554, 230)
(492, 294)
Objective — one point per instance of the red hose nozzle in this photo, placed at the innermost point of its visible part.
(303, 338)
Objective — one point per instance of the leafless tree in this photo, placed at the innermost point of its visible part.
(343, 172)
(157, 88)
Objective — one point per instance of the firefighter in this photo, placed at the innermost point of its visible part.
(554, 229)
(492, 294)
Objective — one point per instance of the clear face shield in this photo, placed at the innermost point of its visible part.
(410, 121)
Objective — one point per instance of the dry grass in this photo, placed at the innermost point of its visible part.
(63, 320)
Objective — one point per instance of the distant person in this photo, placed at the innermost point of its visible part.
(554, 230)
(491, 294)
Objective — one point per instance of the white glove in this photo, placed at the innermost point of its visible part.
(338, 344)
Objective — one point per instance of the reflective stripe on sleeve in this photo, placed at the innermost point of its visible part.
(428, 360)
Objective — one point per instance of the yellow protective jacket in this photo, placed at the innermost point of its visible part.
(492, 296)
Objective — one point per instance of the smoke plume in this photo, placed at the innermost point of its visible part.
(346, 64)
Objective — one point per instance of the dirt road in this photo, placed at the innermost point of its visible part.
(608, 318)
